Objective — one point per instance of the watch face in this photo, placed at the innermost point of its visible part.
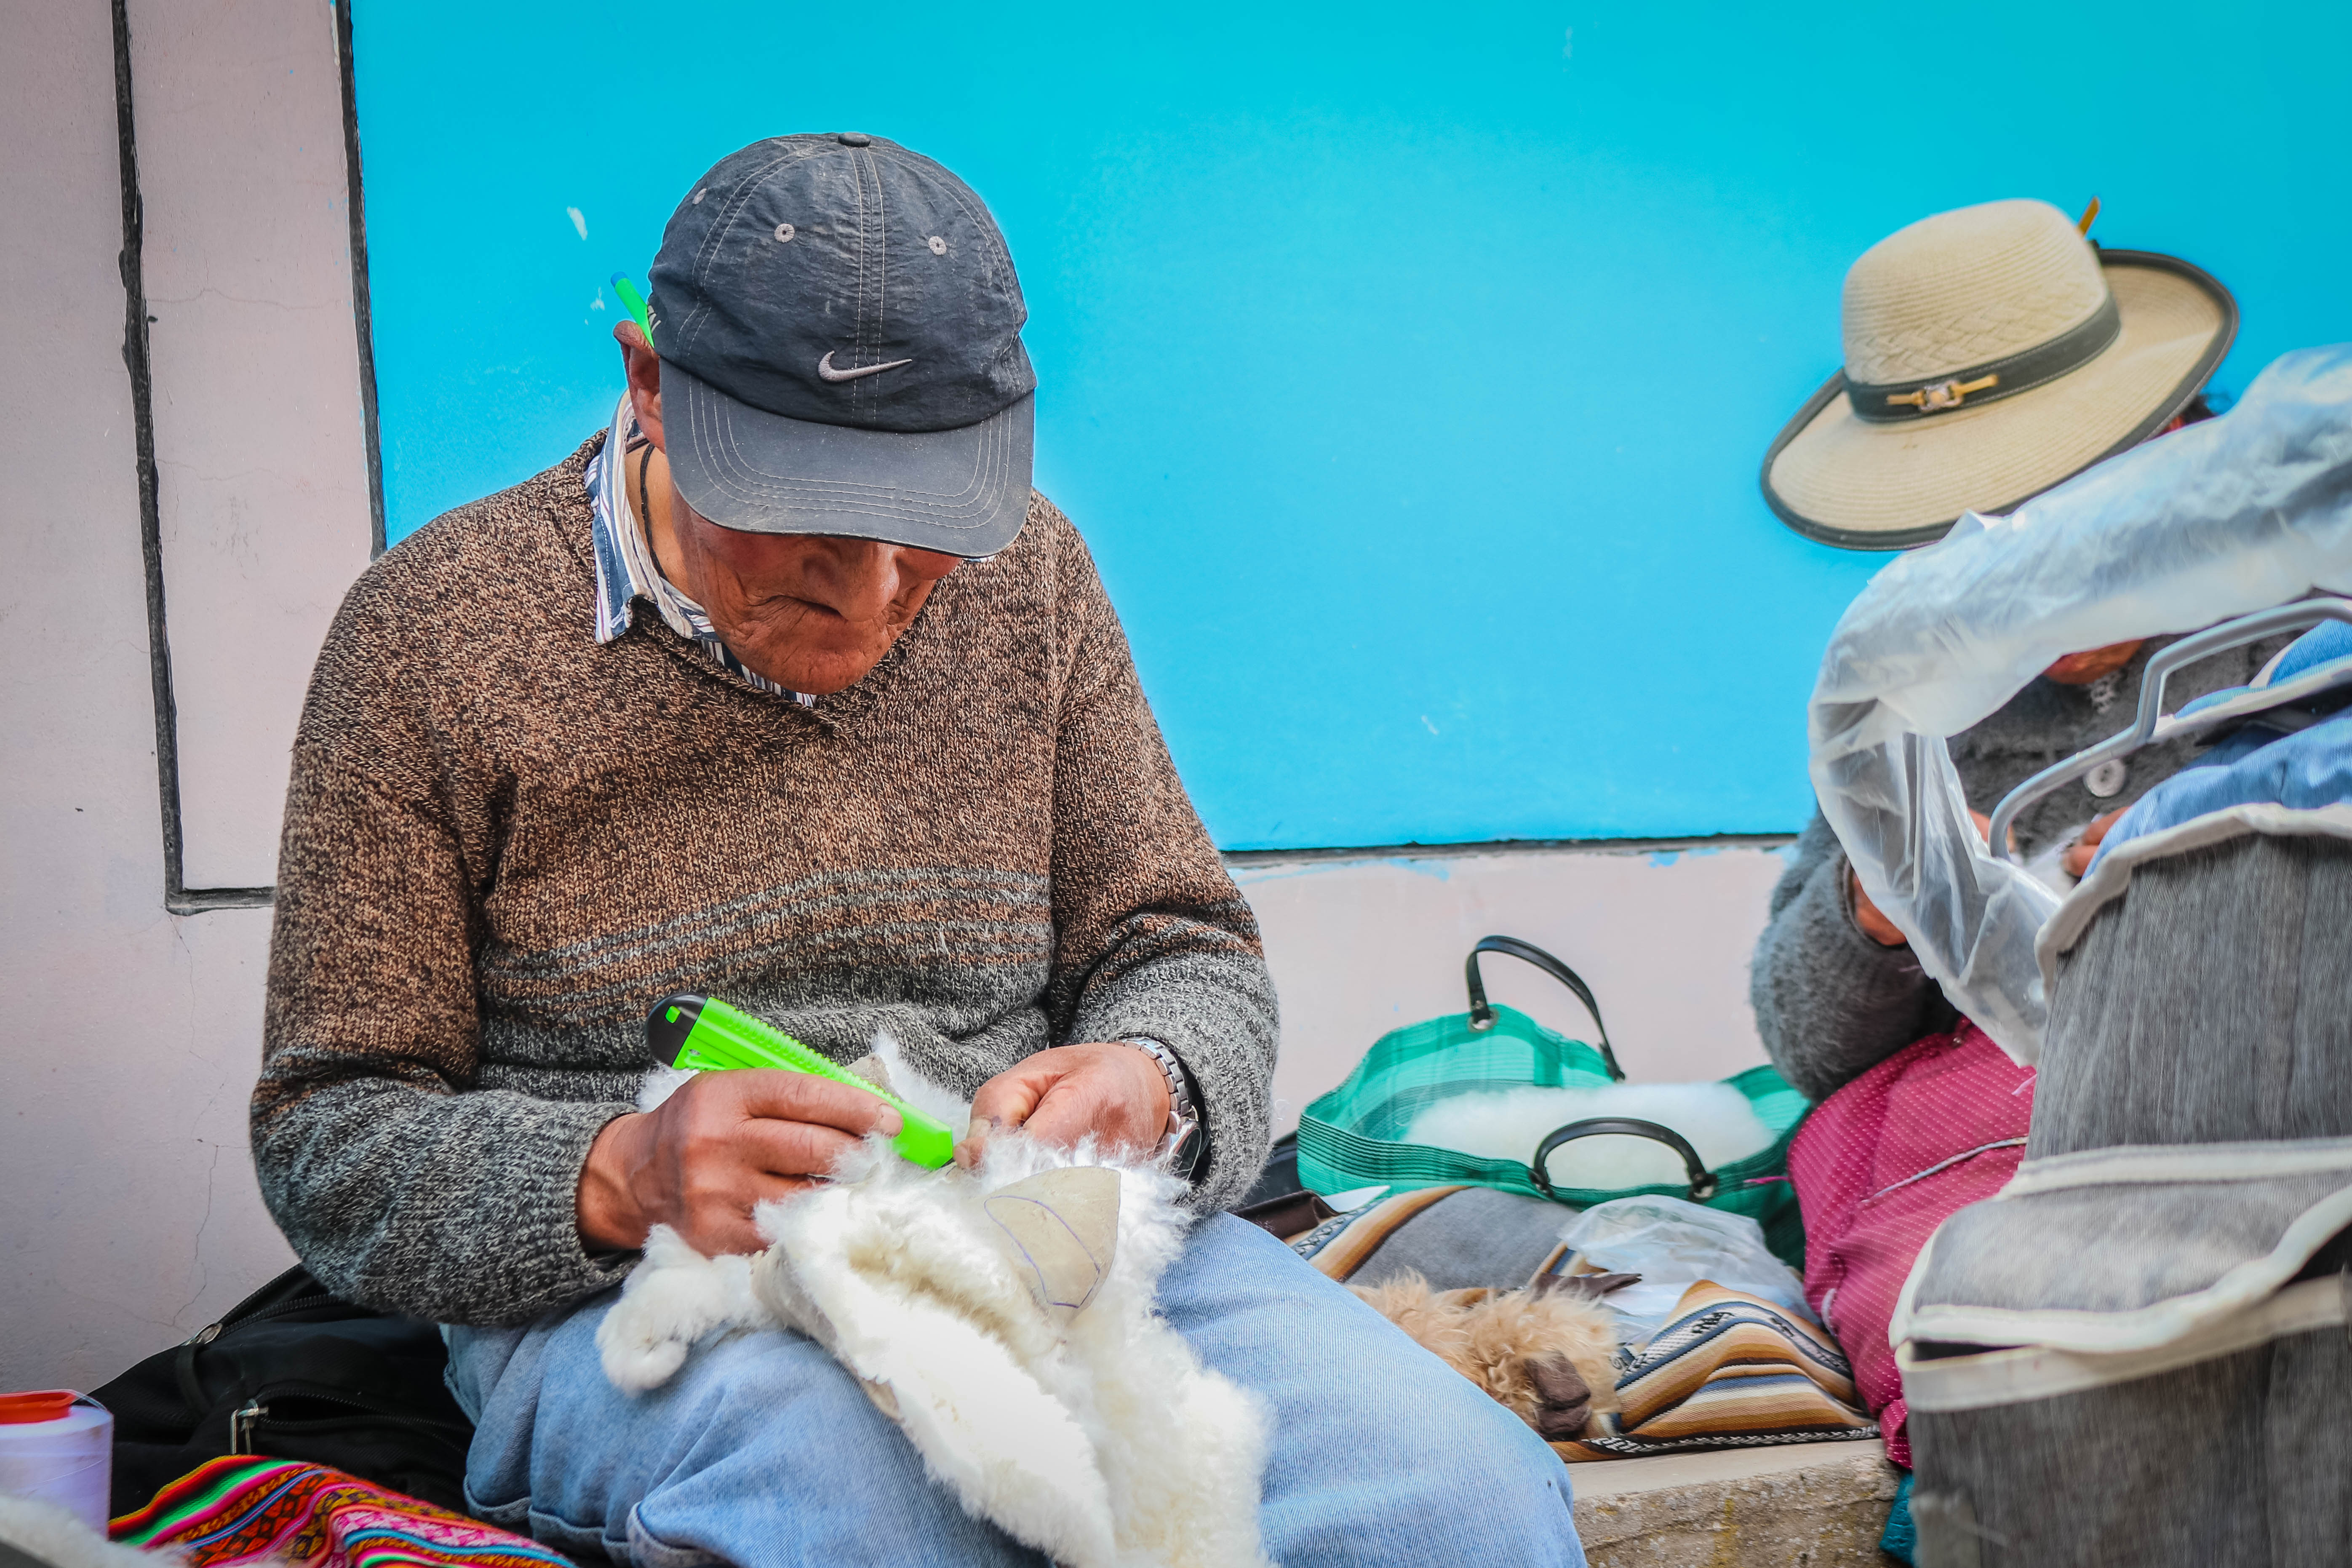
(1184, 1145)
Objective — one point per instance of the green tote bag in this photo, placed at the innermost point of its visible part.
(1352, 1137)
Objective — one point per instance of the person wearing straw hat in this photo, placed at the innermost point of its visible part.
(1991, 352)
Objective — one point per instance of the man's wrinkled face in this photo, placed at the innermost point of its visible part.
(810, 613)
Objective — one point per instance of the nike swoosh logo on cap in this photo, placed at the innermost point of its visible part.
(825, 368)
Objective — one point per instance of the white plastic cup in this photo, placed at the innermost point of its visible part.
(59, 1447)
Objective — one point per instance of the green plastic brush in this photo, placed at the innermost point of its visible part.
(635, 304)
(703, 1033)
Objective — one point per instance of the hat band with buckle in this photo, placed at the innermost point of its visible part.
(1897, 402)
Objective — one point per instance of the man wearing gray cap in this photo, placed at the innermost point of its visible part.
(788, 687)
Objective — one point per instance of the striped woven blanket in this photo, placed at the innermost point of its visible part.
(1728, 1371)
(239, 1508)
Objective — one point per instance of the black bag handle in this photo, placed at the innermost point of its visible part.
(1702, 1183)
(1482, 1011)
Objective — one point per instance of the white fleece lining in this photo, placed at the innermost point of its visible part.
(2041, 1372)
(2170, 1164)
(2170, 1321)
(2113, 873)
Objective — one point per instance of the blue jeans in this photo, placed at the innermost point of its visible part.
(762, 1452)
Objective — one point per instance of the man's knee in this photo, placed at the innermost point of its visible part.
(757, 1397)
(1448, 1484)
(1381, 1451)
(1487, 1482)
(777, 1455)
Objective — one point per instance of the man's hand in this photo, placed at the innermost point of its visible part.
(1875, 924)
(1874, 921)
(1114, 1091)
(724, 1143)
(2082, 668)
(2077, 859)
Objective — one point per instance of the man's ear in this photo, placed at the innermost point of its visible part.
(642, 367)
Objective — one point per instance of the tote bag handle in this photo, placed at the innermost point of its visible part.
(1482, 1011)
(1703, 1184)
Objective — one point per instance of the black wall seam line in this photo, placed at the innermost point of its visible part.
(177, 898)
(201, 900)
(363, 314)
(142, 424)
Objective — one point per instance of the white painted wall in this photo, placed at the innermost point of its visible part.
(1362, 947)
(128, 1211)
(259, 452)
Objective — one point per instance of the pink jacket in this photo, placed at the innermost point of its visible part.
(1932, 1129)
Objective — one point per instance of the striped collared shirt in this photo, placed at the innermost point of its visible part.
(627, 571)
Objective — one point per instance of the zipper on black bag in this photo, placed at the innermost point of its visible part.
(243, 1315)
(212, 1332)
(246, 1312)
(248, 1417)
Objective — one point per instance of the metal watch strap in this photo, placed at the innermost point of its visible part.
(1182, 1145)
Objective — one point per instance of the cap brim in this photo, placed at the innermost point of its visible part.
(1860, 486)
(964, 492)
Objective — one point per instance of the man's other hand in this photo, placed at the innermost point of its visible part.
(1115, 1091)
(1874, 921)
(722, 1143)
(2079, 854)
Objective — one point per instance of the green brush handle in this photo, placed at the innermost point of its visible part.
(703, 1033)
(635, 304)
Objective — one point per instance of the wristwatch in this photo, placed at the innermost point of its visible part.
(1180, 1149)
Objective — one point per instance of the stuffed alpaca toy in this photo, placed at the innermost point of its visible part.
(1003, 1319)
(1543, 1352)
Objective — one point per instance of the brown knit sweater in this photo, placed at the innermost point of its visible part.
(504, 842)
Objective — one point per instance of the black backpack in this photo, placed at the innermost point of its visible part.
(293, 1374)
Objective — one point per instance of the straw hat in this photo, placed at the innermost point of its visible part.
(1989, 353)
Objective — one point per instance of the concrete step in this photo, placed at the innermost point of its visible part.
(1819, 1505)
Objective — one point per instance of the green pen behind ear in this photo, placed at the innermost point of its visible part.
(703, 1034)
(635, 304)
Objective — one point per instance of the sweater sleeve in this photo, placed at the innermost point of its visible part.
(400, 1183)
(1152, 936)
(1830, 1003)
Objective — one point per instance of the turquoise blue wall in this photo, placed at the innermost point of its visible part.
(1407, 367)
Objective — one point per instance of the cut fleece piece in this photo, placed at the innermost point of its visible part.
(1003, 1319)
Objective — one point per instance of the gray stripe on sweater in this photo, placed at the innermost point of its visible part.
(1012, 944)
(915, 883)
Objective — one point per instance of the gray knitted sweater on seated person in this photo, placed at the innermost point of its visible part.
(1830, 1003)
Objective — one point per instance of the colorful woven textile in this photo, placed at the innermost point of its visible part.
(1730, 1372)
(239, 1508)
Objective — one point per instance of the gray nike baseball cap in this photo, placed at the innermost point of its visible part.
(839, 328)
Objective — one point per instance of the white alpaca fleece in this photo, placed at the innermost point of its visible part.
(1026, 1366)
(673, 1299)
(1508, 1124)
(44, 1533)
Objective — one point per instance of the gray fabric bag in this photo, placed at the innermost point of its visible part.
(2140, 1352)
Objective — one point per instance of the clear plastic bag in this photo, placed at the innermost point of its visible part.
(2220, 519)
(1673, 1244)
